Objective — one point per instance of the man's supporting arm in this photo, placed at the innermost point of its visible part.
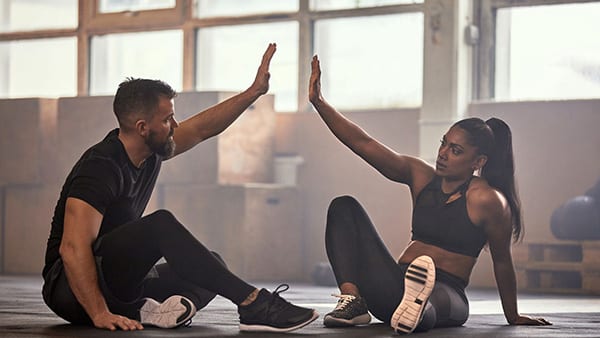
(81, 226)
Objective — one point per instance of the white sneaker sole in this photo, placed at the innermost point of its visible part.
(266, 328)
(173, 312)
(331, 321)
(418, 285)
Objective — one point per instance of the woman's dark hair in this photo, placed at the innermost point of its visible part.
(493, 138)
(137, 98)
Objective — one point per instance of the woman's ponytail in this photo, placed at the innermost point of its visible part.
(499, 171)
(493, 138)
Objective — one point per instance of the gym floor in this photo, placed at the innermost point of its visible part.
(24, 314)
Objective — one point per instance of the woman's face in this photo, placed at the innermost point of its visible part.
(457, 159)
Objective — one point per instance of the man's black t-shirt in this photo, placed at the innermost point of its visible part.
(105, 178)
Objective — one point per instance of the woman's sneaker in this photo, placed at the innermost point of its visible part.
(418, 285)
(349, 311)
(271, 313)
(173, 312)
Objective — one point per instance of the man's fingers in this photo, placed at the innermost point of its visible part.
(129, 325)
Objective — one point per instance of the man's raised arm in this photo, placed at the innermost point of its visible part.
(217, 118)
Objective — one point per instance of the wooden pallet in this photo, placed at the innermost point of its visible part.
(562, 267)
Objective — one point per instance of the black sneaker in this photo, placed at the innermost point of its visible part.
(173, 312)
(349, 311)
(418, 285)
(271, 313)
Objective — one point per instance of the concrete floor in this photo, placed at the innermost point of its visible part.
(23, 314)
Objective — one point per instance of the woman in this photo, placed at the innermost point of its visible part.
(455, 214)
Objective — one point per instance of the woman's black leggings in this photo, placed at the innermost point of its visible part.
(358, 256)
(126, 258)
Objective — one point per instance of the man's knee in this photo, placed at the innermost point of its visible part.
(163, 220)
(219, 258)
(163, 215)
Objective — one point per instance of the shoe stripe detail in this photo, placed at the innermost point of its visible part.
(417, 274)
(418, 268)
(414, 279)
(419, 281)
(402, 326)
(188, 309)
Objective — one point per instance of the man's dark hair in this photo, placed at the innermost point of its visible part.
(138, 98)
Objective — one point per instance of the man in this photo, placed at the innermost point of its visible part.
(101, 254)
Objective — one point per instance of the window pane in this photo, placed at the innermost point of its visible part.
(371, 62)
(19, 15)
(109, 6)
(38, 68)
(153, 55)
(548, 52)
(211, 8)
(344, 4)
(228, 58)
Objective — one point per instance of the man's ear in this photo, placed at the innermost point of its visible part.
(141, 126)
(480, 161)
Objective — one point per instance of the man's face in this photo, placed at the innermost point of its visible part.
(162, 126)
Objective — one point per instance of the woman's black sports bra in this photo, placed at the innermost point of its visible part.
(445, 224)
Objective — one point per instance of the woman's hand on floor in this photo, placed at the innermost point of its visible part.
(526, 320)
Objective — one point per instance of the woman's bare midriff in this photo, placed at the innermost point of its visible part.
(451, 262)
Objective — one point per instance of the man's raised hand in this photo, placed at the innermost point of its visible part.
(261, 82)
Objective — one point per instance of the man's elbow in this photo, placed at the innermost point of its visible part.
(67, 251)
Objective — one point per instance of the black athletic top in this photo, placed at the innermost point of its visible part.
(105, 178)
(446, 225)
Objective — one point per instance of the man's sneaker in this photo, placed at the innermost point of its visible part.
(349, 311)
(173, 312)
(271, 313)
(418, 285)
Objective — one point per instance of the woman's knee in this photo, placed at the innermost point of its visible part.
(341, 203)
(340, 214)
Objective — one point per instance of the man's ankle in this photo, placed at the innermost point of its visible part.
(251, 298)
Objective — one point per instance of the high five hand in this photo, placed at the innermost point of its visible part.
(314, 84)
(261, 82)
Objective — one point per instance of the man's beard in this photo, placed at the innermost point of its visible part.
(164, 149)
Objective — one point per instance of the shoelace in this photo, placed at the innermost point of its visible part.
(343, 301)
(277, 302)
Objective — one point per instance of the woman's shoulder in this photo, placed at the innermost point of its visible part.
(485, 197)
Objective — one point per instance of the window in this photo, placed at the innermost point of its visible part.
(110, 6)
(211, 8)
(343, 4)
(228, 57)
(371, 62)
(548, 52)
(19, 15)
(217, 45)
(38, 68)
(154, 55)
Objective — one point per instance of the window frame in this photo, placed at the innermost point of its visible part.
(91, 22)
(484, 57)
